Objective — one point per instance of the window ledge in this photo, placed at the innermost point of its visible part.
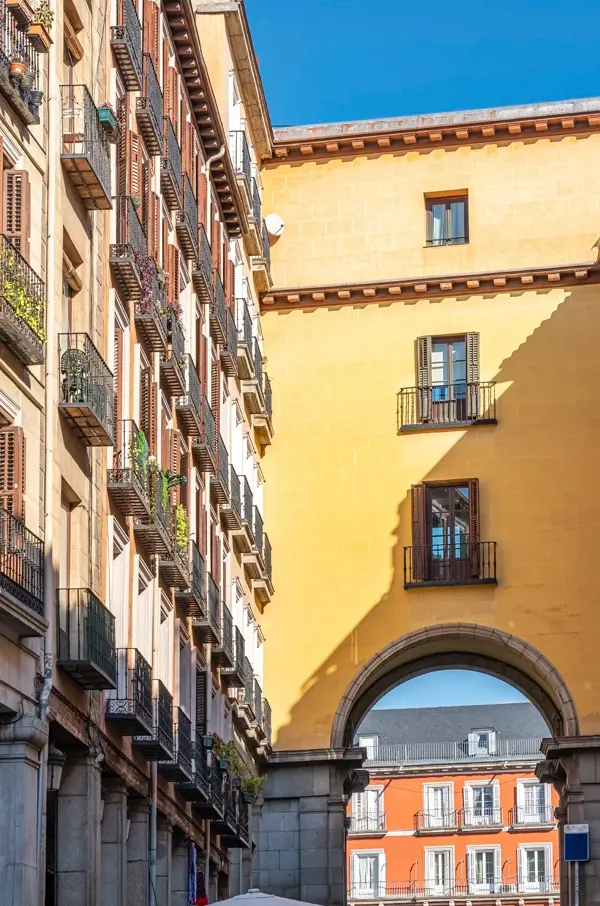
(439, 426)
(437, 583)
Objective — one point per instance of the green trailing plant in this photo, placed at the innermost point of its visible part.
(181, 527)
(139, 455)
(250, 783)
(43, 14)
(25, 304)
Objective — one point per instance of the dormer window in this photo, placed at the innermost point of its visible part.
(482, 742)
(370, 744)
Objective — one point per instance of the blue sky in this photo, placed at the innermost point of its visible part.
(327, 60)
(450, 687)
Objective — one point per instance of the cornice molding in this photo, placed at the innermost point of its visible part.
(430, 287)
(312, 145)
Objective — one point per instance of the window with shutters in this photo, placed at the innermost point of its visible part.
(449, 390)
(484, 869)
(367, 811)
(535, 868)
(12, 471)
(447, 220)
(446, 546)
(482, 804)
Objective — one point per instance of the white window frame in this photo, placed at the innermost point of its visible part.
(485, 887)
(534, 886)
(481, 820)
(432, 889)
(366, 818)
(522, 816)
(430, 820)
(379, 889)
(371, 747)
(473, 741)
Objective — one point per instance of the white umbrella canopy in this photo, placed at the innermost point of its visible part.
(256, 896)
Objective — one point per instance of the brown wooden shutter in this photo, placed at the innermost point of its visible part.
(1, 185)
(229, 281)
(149, 409)
(165, 245)
(215, 241)
(123, 147)
(420, 531)
(474, 525)
(202, 196)
(424, 378)
(155, 226)
(165, 78)
(118, 373)
(165, 441)
(215, 391)
(204, 365)
(146, 201)
(175, 100)
(17, 210)
(472, 343)
(174, 439)
(12, 471)
(215, 553)
(173, 269)
(151, 15)
(201, 727)
(136, 174)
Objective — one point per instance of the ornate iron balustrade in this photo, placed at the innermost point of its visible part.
(174, 566)
(247, 504)
(21, 563)
(481, 817)
(22, 306)
(15, 45)
(437, 819)
(244, 323)
(373, 823)
(255, 212)
(171, 367)
(258, 702)
(171, 178)
(214, 604)
(401, 754)
(220, 482)
(258, 364)
(202, 268)
(268, 393)
(205, 446)
(247, 696)
(86, 395)
(126, 42)
(187, 221)
(223, 653)
(229, 352)
(151, 314)
(218, 312)
(193, 598)
(184, 750)
(216, 787)
(240, 154)
(458, 563)
(163, 704)
(85, 149)
(451, 889)
(129, 254)
(266, 247)
(525, 815)
(86, 639)
(130, 232)
(267, 556)
(258, 531)
(189, 405)
(154, 530)
(235, 494)
(150, 107)
(446, 405)
(267, 724)
(128, 478)
(129, 706)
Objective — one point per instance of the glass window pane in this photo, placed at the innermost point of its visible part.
(438, 224)
(457, 221)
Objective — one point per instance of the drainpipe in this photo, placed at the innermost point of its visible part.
(206, 170)
(153, 765)
(50, 406)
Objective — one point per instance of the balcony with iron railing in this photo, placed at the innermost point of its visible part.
(245, 706)
(229, 826)
(22, 88)
(261, 263)
(151, 319)
(86, 639)
(22, 306)
(127, 481)
(482, 818)
(202, 268)
(234, 676)
(223, 653)
(192, 600)
(126, 42)
(171, 366)
(460, 562)
(159, 744)
(254, 235)
(256, 210)
(153, 531)
(149, 108)
(245, 356)
(267, 722)
(218, 312)
(492, 886)
(446, 753)
(253, 386)
(370, 825)
(86, 390)
(179, 768)
(21, 577)
(204, 447)
(219, 483)
(85, 150)
(447, 406)
(129, 706)
(171, 177)
(437, 821)
(189, 405)
(197, 789)
(244, 536)
(207, 625)
(253, 560)
(229, 351)
(534, 815)
(128, 256)
(175, 565)
(262, 422)
(187, 222)
(208, 803)
(242, 163)
(263, 586)
(231, 512)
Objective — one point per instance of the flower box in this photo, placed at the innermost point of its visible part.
(39, 37)
(108, 122)
(21, 11)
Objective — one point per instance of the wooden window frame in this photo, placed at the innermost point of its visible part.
(447, 199)
(452, 410)
(422, 556)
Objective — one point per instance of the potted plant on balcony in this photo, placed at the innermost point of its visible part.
(18, 68)
(108, 121)
(39, 29)
(27, 80)
(16, 292)
(251, 785)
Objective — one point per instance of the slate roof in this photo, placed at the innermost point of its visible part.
(518, 720)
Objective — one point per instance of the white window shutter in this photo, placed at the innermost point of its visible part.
(492, 742)
(473, 738)
(468, 796)
(522, 863)
(520, 795)
(471, 867)
(358, 805)
(496, 789)
(381, 874)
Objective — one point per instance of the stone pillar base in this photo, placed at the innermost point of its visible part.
(302, 839)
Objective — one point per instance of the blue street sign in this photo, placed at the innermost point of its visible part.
(577, 843)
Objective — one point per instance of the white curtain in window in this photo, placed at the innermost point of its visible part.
(438, 223)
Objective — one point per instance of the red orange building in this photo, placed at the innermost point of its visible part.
(453, 809)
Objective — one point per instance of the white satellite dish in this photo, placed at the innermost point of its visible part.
(275, 225)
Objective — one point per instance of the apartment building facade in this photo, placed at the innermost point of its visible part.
(135, 565)
(453, 808)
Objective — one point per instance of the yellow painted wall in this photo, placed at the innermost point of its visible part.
(215, 50)
(338, 475)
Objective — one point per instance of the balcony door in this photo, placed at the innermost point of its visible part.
(532, 803)
(438, 812)
(366, 810)
(368, 875)
(448, 378)
(534, 869)
(449, 522)
(483, 870)
(482, 804)
(438, 881)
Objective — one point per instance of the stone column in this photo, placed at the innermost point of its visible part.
(179, 871)
(113, 868)
(78, 833)
(20, 744)
(301, 841)
(164, 839)
(138, 880)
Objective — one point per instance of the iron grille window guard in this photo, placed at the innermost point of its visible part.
(210, 428)
(256, 205)
(444, 405)
(247, 502)
(368, 824)
(163, 711)
(235, 492)
(268, 556)
(130, 231)
(213, 602)
(258, 530)
(184, 741)
(21, 563)
(82, 134)
(459, 563)
(268, 398)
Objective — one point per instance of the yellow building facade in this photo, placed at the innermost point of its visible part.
(431, 339)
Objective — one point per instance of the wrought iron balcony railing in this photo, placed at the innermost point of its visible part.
(371, 824)
(243, 529)
(86, 639)
(267, 721)
(204, 447)
(450, 752)
(149, 108)
(207, 624)
(223, 655)
(187, 221)
(179, 767)
(458, 563)
(85, 152)
(174, 566)
(171, 178)
(531, 815)
(218, 312)
(246, 697)
(235, 676)
(126, 42)
(242, 163)
(258, 530)
(21, 564)
(261, 263)
(253, 386)
(268, 398)
(202, 268)
(154, 531)
(197, 790)
(87, 397)
(245, 349)
(438, 820)
(247, 507)
(129, 254)
(267, 557)
(229, 352)
(193, 598)
(219, 483)
(255, 211)
(447, 405)
(171, 366)
(22, 306)
(189, 405)
(15, 45)
(507, 885)
(128, 479)
(151, 308)
(231, 512)
(129, 706)
(159, 744)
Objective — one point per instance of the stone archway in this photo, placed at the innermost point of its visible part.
(466, 645)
